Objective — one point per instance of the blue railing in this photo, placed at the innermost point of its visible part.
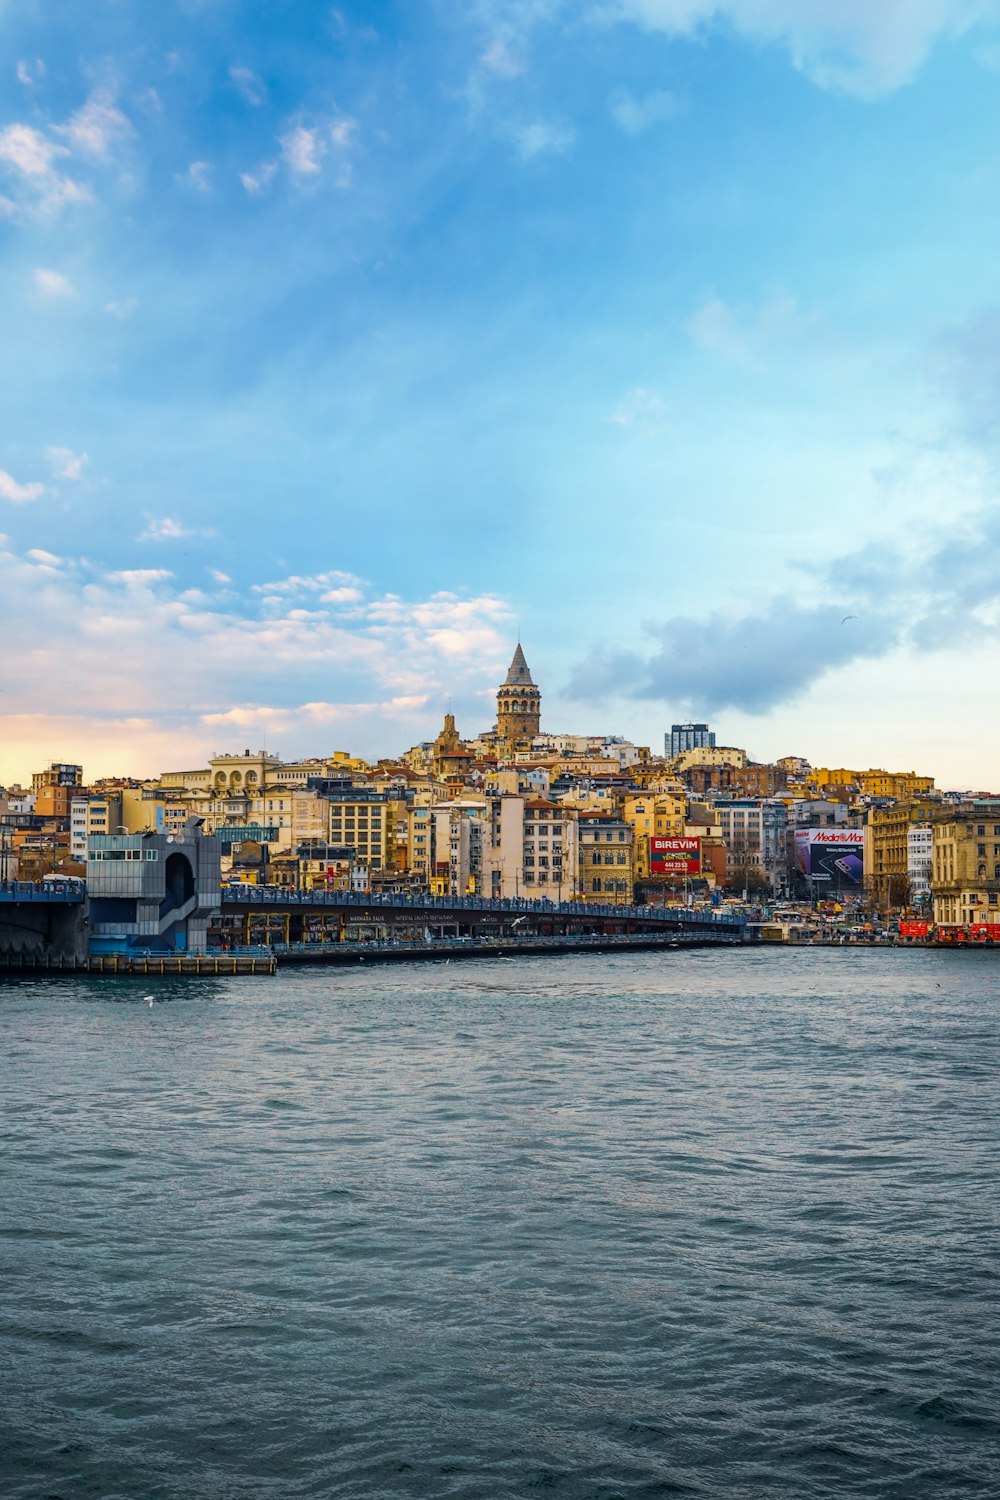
(269, 895)
(42, 890)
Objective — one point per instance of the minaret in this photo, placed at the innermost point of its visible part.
(519, 703)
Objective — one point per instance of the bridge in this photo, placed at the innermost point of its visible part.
(43, 924)
(307, 925)
(48, 925)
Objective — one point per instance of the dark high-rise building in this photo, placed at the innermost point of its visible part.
(688, 737)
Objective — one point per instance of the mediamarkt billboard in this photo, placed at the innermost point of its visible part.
(674, 856)
(831, 854)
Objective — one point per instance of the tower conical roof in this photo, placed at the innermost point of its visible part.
(518, 674)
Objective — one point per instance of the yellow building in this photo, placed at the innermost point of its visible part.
(709, 755)
(367, 822)
(902, 785)
(604, 854)
(822, 776)
(653, 815)
(965, 866)
(875, 783)
(886, 854)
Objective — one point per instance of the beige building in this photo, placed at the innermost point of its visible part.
(604, 859)
(886, 852)
(529, 849)
(709, 755)
(367, 822)
(965, 866)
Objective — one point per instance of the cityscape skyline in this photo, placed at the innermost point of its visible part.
(342, 344)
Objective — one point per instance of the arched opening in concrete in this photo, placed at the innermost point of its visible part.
(179, 878)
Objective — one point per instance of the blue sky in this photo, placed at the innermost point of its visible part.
(342, 342)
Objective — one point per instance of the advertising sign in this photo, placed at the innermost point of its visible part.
(677, 856)
(914, 929)
(835, 855)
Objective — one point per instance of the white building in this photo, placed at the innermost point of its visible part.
(919, 857)
(91, 814)
(530, 849)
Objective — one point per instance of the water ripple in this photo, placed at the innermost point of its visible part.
(712, 1225)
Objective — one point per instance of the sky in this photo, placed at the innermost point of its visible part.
(342, 345)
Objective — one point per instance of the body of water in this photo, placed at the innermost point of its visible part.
(717, 1224)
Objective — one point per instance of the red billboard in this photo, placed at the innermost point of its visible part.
(914, 929)
(674, 856)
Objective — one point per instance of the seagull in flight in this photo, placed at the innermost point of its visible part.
(848, 617)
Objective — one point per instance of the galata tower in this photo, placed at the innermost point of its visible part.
(519, 703)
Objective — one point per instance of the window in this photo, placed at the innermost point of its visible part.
(981, 829)
(980, 848)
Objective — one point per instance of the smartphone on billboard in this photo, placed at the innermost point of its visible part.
(850, 865)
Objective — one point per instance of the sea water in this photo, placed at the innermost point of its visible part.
(718, 1224)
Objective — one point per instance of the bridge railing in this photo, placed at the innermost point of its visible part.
(264, 895)
(42, 890)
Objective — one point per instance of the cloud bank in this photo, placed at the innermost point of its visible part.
(299, 654)
(867, 604)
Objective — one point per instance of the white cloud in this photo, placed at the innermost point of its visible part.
(500, 59)
(121, 310)
(219, 577)
(341, 596)
(248, 84)
(199, 175)
(66, 464)
(30, 158)
(302, 150)
(96, 126)
(30, 71)
(344, 131)
(309, 583)
(865, 47)
(27, 150)
(641, 407)
(53, 283)
(18, 494)
(140, 577)
(173, 660)
(740, 333)
(542, 137)
(35, 157)
(259, 180)
(164, 529)
(635, 116)
(38, 555)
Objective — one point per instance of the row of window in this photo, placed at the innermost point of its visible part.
(123, 854)
(609, 857)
